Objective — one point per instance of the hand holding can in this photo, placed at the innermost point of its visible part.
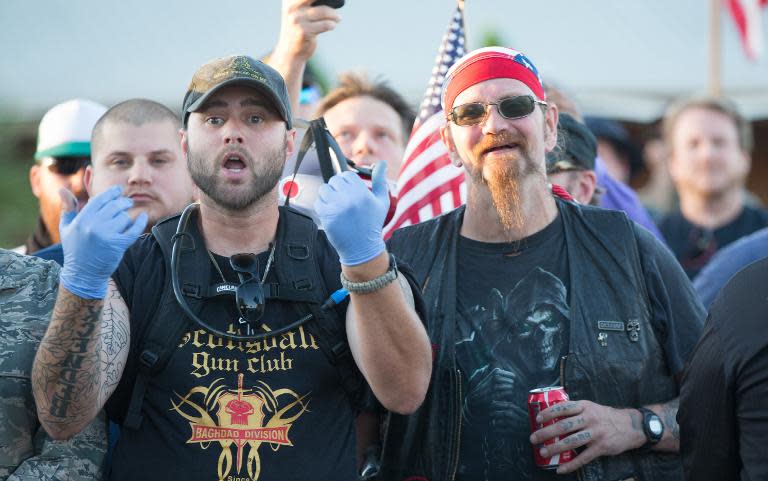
(538, 400)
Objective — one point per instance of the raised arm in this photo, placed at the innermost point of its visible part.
(299, 26)
(82, 355)
(387, 339)
(80, 360)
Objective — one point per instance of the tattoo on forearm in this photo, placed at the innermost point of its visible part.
(114, 339)
(669, 417)
(68, 364)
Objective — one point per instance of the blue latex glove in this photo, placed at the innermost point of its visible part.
(95, 240)
(353, 216)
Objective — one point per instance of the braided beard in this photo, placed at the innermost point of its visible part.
(503, 175)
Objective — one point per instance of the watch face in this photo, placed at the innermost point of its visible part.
(655, 426)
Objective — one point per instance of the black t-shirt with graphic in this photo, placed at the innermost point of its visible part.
(694, 246)
(513, 326)
(271, 410)
(512, 330)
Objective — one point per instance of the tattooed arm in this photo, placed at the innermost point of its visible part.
(80, 360)
(602, 431)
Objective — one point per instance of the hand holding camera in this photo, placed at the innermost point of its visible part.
(302, 21)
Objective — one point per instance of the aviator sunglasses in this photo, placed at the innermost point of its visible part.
(474, 113)
(249, 295)
(66, 165)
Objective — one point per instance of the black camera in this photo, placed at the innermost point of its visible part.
(330, 3)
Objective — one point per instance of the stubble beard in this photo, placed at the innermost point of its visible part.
(264, 178)
(504, 177)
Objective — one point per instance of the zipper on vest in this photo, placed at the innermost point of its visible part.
(580, 474)
(457, 440)
(580, 471)
(562, 372)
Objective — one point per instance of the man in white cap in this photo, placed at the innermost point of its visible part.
(526, 290)
(63, 152)
(135, 144)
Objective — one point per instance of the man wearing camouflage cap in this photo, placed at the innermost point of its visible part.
(252, 385)
(28, 286)
(526, 290)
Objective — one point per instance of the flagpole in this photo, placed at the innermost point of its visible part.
(714, 87)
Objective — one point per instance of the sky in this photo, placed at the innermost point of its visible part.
(616, 57)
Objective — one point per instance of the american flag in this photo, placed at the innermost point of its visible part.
(748, 15)
(428, 183)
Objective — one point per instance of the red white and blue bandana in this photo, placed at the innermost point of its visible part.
(486, 64)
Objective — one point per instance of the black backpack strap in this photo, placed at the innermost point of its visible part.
(298, 267)
(169, 323)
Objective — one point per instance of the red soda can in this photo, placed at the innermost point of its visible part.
(538, 400)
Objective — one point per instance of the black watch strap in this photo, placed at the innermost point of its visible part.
(653, 427)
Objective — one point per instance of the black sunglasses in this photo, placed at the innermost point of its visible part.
(249, 295)
(510, 108)
(66, 165)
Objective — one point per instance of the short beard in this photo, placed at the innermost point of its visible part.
(504, 177)
(204, 173)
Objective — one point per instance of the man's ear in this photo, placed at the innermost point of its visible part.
(551, 117)
(184, 143)
(587, 185)
(672, 165)
(88, 180)
(290, 143)
(447, 138)
(34, 179)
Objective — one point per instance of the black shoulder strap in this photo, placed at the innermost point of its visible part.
(169, 323)
(298, 266)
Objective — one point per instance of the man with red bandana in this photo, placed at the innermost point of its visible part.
(525, 290)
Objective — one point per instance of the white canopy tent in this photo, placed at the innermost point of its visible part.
(617, 58)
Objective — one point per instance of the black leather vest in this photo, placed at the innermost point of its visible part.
(615, 358)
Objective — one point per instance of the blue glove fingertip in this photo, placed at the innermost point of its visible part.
(139, 225)
(379, 179)
(66, 218)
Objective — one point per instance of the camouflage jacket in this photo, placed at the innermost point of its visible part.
(27, 293)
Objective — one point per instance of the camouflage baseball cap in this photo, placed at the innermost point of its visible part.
(237, 70)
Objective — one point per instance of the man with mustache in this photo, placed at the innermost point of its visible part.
(246, 391)
(135, 144)
(613, 314)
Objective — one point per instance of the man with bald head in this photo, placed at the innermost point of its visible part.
(527, 290)
(136, 145)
